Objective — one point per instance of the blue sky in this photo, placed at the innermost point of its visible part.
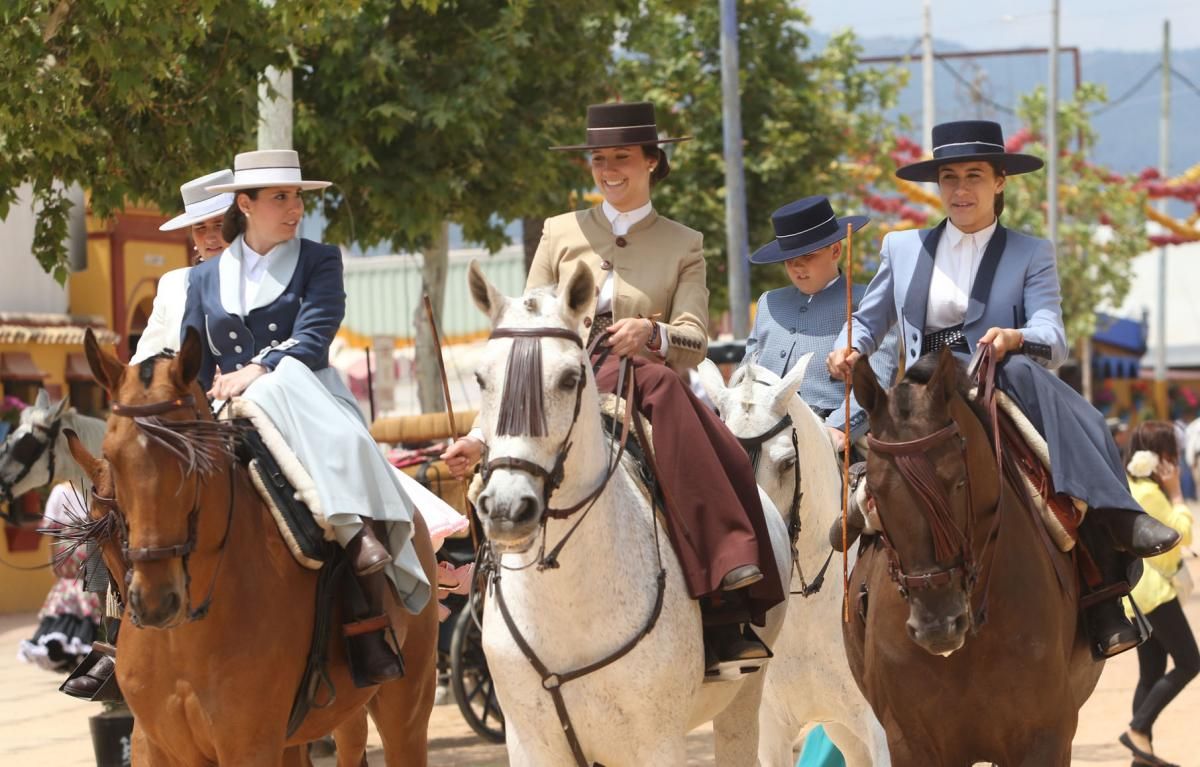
(1128, 25)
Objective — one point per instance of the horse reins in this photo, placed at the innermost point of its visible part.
(183, 550)
(753, 447)
(552, 682)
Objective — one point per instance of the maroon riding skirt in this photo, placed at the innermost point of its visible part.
(714, 517)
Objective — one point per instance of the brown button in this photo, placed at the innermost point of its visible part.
(621, 242)
(587, 322)
(606, 264)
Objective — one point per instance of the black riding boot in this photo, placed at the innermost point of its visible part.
(1110, 631)
(88, 684)
(372, 659)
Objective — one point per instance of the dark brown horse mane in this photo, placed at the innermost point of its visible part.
(522, 412)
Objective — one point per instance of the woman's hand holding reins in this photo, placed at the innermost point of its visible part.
(226, 385)
(1003, 341)
(630, 335)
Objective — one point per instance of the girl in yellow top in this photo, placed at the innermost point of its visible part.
(1153, 468)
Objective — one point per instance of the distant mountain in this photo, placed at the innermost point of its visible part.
(1127, 131)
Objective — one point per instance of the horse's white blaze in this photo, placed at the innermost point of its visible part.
(637, 710)
(809, 680)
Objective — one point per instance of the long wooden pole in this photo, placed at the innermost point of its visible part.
(846, 450)
(437, 347)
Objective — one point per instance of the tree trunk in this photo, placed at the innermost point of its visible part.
(531, 229)
(434, 264)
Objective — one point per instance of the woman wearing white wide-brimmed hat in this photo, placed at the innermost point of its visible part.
(267, 311)
(203, 212)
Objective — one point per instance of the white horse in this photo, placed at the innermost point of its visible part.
(602, 595)
(36, 454)
(809, 681)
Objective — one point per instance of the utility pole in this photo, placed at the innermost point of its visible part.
(1052, 132)
(1164, 156)
(736, 241)
(275, 110)
(928, 113)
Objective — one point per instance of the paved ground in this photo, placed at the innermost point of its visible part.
(40, 727)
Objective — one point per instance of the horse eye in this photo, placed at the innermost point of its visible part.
(786, 464)
(479, 380)
(569, 380)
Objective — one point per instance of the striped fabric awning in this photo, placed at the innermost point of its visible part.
(64, 329)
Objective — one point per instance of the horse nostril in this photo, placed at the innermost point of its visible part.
(911, 628)
(135, 600)
(484, 505)
(171, 604)
(526, 509)
(960, 624)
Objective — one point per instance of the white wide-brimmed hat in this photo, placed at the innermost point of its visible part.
(267, 167)
(200, 204)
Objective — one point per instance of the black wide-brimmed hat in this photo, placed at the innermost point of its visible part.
(621, 124)
(803, 226)
(967, 140)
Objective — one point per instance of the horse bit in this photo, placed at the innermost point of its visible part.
(27, 451)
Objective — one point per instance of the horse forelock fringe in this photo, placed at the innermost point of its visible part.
(200, 446)
(522, 412)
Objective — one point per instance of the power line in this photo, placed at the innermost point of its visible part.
(1129, 93)
(976, 92)
(1184, 79)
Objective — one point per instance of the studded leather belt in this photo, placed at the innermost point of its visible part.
(600, 323)
(952, 337)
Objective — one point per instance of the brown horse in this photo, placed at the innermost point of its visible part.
(218, 615)
(965, 634)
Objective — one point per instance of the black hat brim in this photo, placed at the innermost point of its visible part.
(773, 252)
(1014, 164)
(612, 144)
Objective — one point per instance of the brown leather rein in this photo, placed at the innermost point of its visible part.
(553, 681)
(951, 542)
(188, 547)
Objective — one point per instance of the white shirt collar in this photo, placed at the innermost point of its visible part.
(955, 236)
(627, 218)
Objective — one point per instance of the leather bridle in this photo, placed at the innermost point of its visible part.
(28, 462)
(182, 551)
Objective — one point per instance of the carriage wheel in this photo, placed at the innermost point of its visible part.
(472, 684)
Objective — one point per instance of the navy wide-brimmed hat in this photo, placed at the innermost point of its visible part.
(621, 124)
(803, 226)
(967, 140)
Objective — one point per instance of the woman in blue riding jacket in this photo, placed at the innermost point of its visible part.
(267, 311)
(970, 281)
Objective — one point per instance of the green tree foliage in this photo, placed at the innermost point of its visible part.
(803, 113)
(1102, 223)
(426, 117)
(124, 98)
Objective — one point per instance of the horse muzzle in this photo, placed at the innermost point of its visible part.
(512, 519)
(939, 624)
(154, 605)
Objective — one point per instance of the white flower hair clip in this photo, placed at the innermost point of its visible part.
(1142, 464)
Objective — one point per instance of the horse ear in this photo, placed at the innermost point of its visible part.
(943, 383)
(186, 365)
(489, 300)
(790, 385)
(63, 405)
(867, 390)
(580, 295)
(43, 400)
(713, 382)
(106, 368)
(88, 462)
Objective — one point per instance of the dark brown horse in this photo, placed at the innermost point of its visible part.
(218, 615)
(964, 635)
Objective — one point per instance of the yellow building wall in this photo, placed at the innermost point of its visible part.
(91, 289)
(145, 263)
(51, 358)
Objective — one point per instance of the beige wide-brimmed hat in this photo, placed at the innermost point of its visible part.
(267, 167)
(199, 204)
